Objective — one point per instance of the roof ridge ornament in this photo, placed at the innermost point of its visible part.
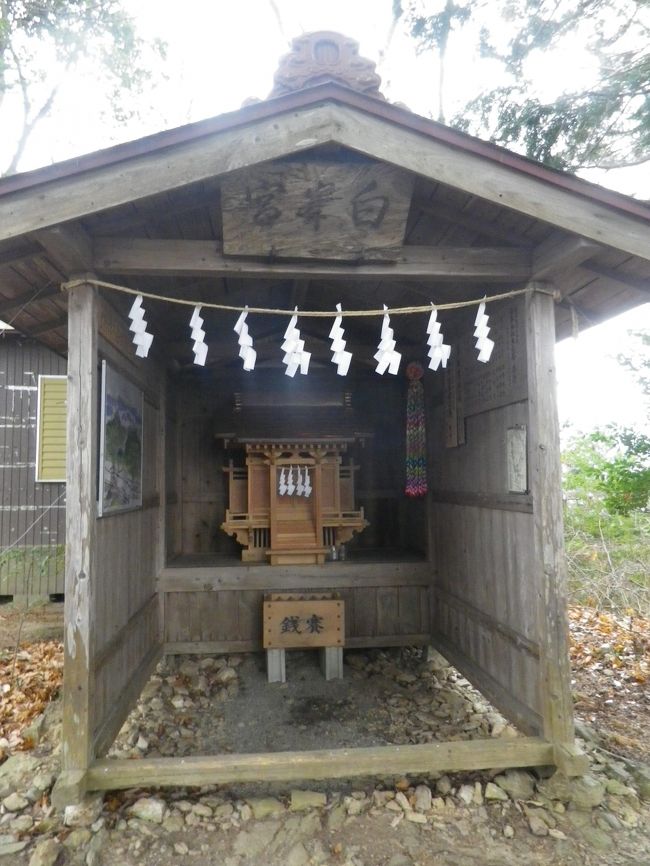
(325, 56)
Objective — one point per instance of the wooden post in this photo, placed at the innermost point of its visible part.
(81, 510)
(546, 488)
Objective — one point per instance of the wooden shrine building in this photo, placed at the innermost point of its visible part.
(322, 194)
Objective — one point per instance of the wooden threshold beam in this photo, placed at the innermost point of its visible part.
(204, 258)
(111, 774)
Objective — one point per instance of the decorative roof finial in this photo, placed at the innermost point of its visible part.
(325, 56)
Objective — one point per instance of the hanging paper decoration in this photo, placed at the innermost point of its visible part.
(339, 357)
(290, 483)
(141, 338)
(307, 488)
(300, 487)
(282, 484)
(438, 350)
(386, 356)
(200, 347)
(246, 351)
(416, 453)
(483, 343)
(295, 357)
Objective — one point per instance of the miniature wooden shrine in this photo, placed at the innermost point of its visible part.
(293, 500)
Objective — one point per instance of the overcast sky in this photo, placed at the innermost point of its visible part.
(221, 53)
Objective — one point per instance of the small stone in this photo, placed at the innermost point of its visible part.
(508, 831)
(353, 806)
(173, 823)
(554, 833)
(43, 782)
(13, 847)
(297, 856)
(587, 792)
(494, 792)
(252, 843)
(78, 838)
(14, 802)
(597, 838)
(336, 818)
(245, 812)
(22, 824)
(393, 806)
(202, 810)
(181, 848)
(402, 784)
(226, 810)
(17, 772)
(402, 800)
(423, 798)
(46, 853)
(443, 786)
(466, 794)
(142, 744)
(226, 675)
(301, 800)
(517, 783)
(478, 794)
(537, 826)
(149, 809)
(613, 786)
(416, 817)
(262, 807)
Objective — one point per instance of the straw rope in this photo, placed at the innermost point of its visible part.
(312, 314)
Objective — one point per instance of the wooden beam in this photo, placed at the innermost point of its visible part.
(111, 773)
(488, 179)
(46, 327)
(440, 211)
(204, 258)
(624, 279)
(69, 247)
(147, 174)
(81, 505)
(194, 578)
(24, 298)
(15, 256)
(559, 253)
(549, 564)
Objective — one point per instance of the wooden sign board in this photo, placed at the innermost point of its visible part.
(316, 209)
(303, 623)
(503, 379)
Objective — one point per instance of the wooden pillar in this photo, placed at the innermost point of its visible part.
(545, 481)
(81, 511)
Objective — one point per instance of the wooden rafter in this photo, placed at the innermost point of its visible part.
(204, 258)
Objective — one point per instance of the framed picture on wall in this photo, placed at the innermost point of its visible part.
(120, 445)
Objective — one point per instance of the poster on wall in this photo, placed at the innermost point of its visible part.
(120, 446)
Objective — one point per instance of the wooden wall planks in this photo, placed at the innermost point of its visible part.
(374, 615)
(485, 594)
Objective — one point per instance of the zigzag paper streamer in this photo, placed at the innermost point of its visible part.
(339, 357)
(200, 347)
(291, 487)
(307, 488)
(483, 343)
(246, 351)
(295, 357)
(386, 356)
(439, 351)
(300, 487)
(282, 484)
(141, 338)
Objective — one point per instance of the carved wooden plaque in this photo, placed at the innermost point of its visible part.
(316, 209)
(303, 623)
